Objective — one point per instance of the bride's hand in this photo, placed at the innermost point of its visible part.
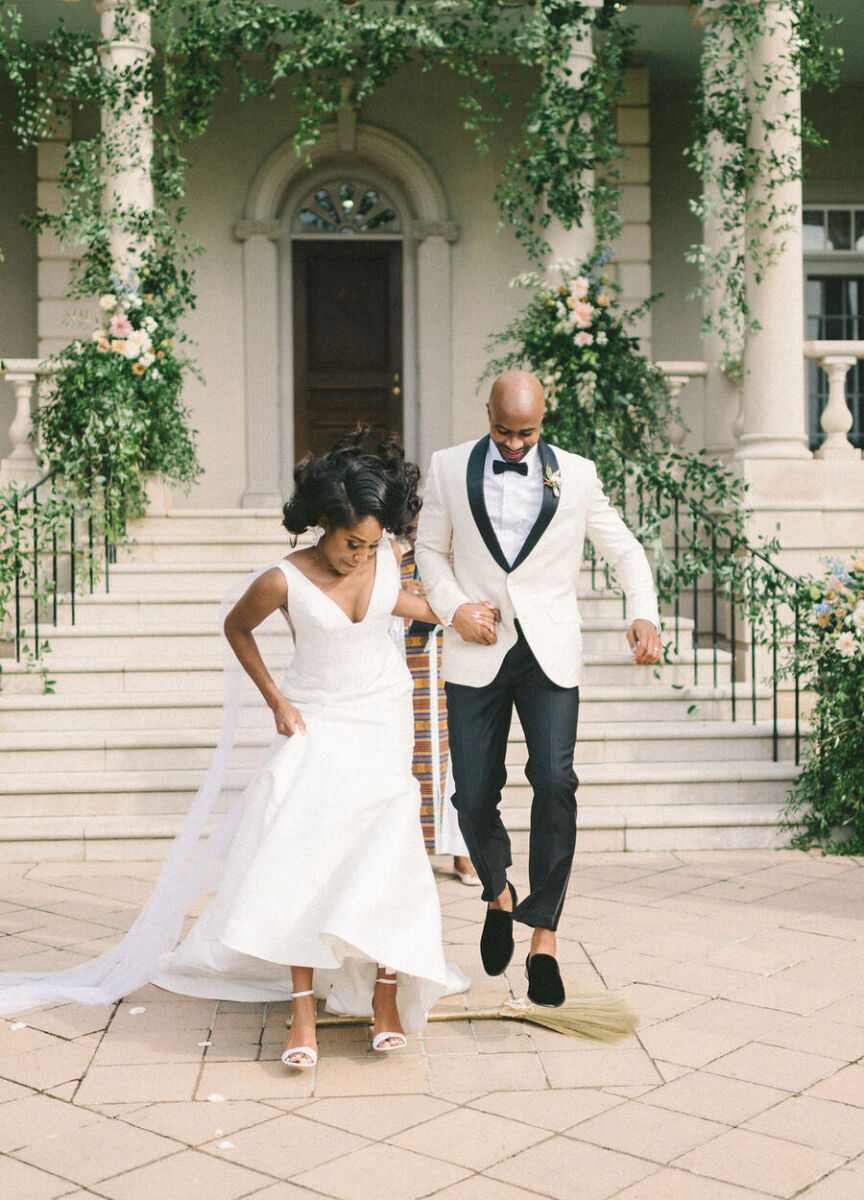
(289, 719)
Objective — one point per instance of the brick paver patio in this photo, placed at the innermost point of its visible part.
(745, 1080)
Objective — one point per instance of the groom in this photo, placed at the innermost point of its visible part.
(502, 527)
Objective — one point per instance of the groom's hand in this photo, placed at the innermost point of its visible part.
(644, 641)
(476, 623)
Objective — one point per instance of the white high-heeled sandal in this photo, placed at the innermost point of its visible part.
(310, 1051)
(380, 1038)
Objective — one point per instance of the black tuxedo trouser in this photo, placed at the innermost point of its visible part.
(479, 724)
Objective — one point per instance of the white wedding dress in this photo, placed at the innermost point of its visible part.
(327, 866)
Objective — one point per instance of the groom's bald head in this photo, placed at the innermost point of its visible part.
(516, 409)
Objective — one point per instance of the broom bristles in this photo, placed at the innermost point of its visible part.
(601, 1016)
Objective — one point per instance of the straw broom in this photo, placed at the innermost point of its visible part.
(602, 1016)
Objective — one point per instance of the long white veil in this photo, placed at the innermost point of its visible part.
(191, 867)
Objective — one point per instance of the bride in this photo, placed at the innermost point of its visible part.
(328, 872)
(325, 889)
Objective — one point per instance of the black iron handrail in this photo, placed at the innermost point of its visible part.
(38, 584)
(758, 592)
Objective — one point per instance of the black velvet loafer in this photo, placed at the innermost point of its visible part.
(545, 986)
(496, 941)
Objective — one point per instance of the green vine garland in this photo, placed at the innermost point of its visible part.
(728, 166)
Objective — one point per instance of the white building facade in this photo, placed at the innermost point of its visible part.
(367, 283)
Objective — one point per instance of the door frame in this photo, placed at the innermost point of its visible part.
(280, 186)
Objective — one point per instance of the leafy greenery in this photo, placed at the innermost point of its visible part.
(742, 177)
(826, 807)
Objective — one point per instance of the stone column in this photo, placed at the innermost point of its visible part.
(129, 134)
(434, 335)
(267, 443)
(774, 424)
(631, 259)
(722, 392)
(571, 247)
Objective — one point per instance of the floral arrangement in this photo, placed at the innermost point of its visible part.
(114, 410)
(600, 389)
(838, 609)
(134, 323)
(826, 807)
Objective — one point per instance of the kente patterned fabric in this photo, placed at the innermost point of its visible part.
(431, 747)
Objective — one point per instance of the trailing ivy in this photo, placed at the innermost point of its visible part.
(748, 222)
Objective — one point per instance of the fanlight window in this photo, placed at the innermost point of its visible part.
(347, 208)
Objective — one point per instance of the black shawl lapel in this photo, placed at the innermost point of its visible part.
(548, 462)
(477, 501)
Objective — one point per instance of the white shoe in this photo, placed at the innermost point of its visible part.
(468, 880)
(308, 1052)
(380, 1038)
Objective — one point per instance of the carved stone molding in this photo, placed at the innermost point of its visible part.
(244, 230)
(448, 230)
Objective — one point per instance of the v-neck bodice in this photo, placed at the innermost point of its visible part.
(338, 661)
(330, 598)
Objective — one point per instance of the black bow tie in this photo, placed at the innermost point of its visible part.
(499, 465)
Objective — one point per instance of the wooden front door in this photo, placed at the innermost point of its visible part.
(347, 340)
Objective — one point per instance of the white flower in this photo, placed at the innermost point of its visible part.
(154, 374)
(107, 301)
(602, 339)
(133, 302)
(150, 324)
(148, 358)
(138, 343)
(98, 335)
(858, 615)
(846, 644)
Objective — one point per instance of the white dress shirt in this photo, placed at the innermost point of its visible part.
(513, 501)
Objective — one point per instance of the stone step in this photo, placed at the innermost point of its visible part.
(134, 836)
(195, 571)
(210, 522)
(133, 610)
(67, 751)
(201, 577)
(202, 709)
(131, 668)
(122, 643)
(632, 785)
(207, 547)
(626, 786)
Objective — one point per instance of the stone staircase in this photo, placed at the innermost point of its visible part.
(106, 766)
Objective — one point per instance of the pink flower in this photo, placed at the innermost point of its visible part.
(120, 327)
(582, 313)
(583, 339)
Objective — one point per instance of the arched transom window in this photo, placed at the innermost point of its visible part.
(347, 207)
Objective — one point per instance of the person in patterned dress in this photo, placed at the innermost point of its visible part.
(430, 765)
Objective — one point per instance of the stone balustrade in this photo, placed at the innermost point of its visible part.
(836, 359)
(678, 375)
(21, 464)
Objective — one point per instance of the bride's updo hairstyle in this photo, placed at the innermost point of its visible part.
(347, 485)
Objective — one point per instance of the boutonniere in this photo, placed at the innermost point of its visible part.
(552, 479)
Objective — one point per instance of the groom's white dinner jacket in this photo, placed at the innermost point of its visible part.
(460, 561)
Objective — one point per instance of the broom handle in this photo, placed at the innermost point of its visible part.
(330, 1020)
